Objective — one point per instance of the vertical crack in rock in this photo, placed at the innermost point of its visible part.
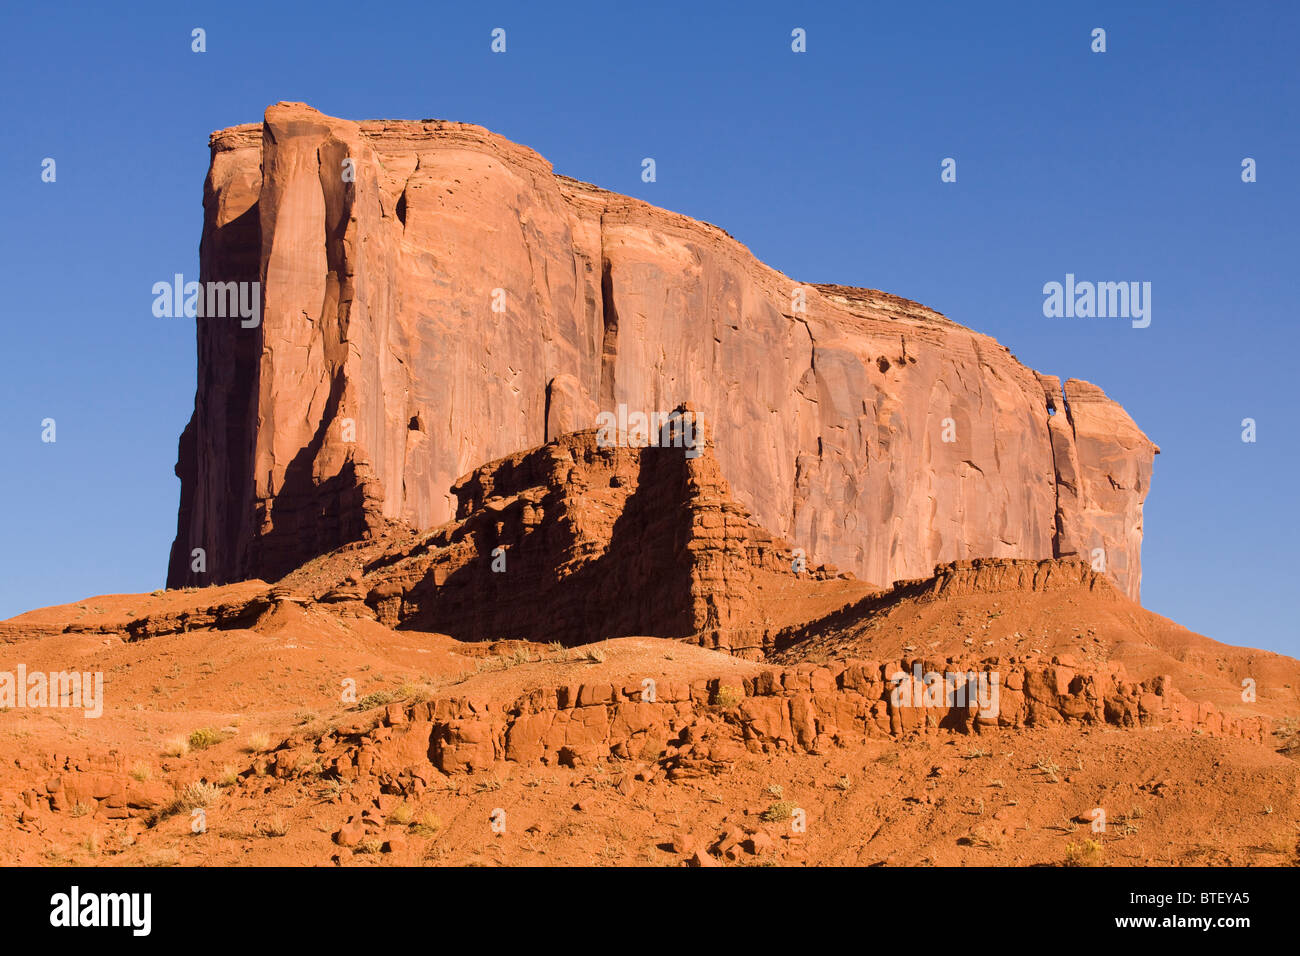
(1065, 405)
(546, 414)
(1058, 529)
(800, 475)
(609, 342)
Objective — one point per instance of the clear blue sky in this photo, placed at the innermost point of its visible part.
(1114, 166)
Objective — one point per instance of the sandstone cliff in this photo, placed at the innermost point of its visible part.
(435, 297)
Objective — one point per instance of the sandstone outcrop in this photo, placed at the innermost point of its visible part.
(700, 727)
(951, 580)
(100, 789)
(434, 297)
(610, 541)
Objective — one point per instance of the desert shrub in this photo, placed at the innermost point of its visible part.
(428, 825)
(728, 697)
(199, 795)
(274, 827)
(204, 737)
(1087, 853)
(780, 810)
(380, 698)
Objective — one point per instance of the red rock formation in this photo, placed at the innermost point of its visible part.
(1103, 470)
(435, 297)
(703, 726)
(609, 541)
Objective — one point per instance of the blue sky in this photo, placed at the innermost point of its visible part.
(1115, 166)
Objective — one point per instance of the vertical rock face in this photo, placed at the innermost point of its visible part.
(216, 512)
(1103, 469)
(435, 297)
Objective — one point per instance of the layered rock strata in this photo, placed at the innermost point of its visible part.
(693, 728)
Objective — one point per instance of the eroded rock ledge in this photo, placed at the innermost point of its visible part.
(697, 727)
